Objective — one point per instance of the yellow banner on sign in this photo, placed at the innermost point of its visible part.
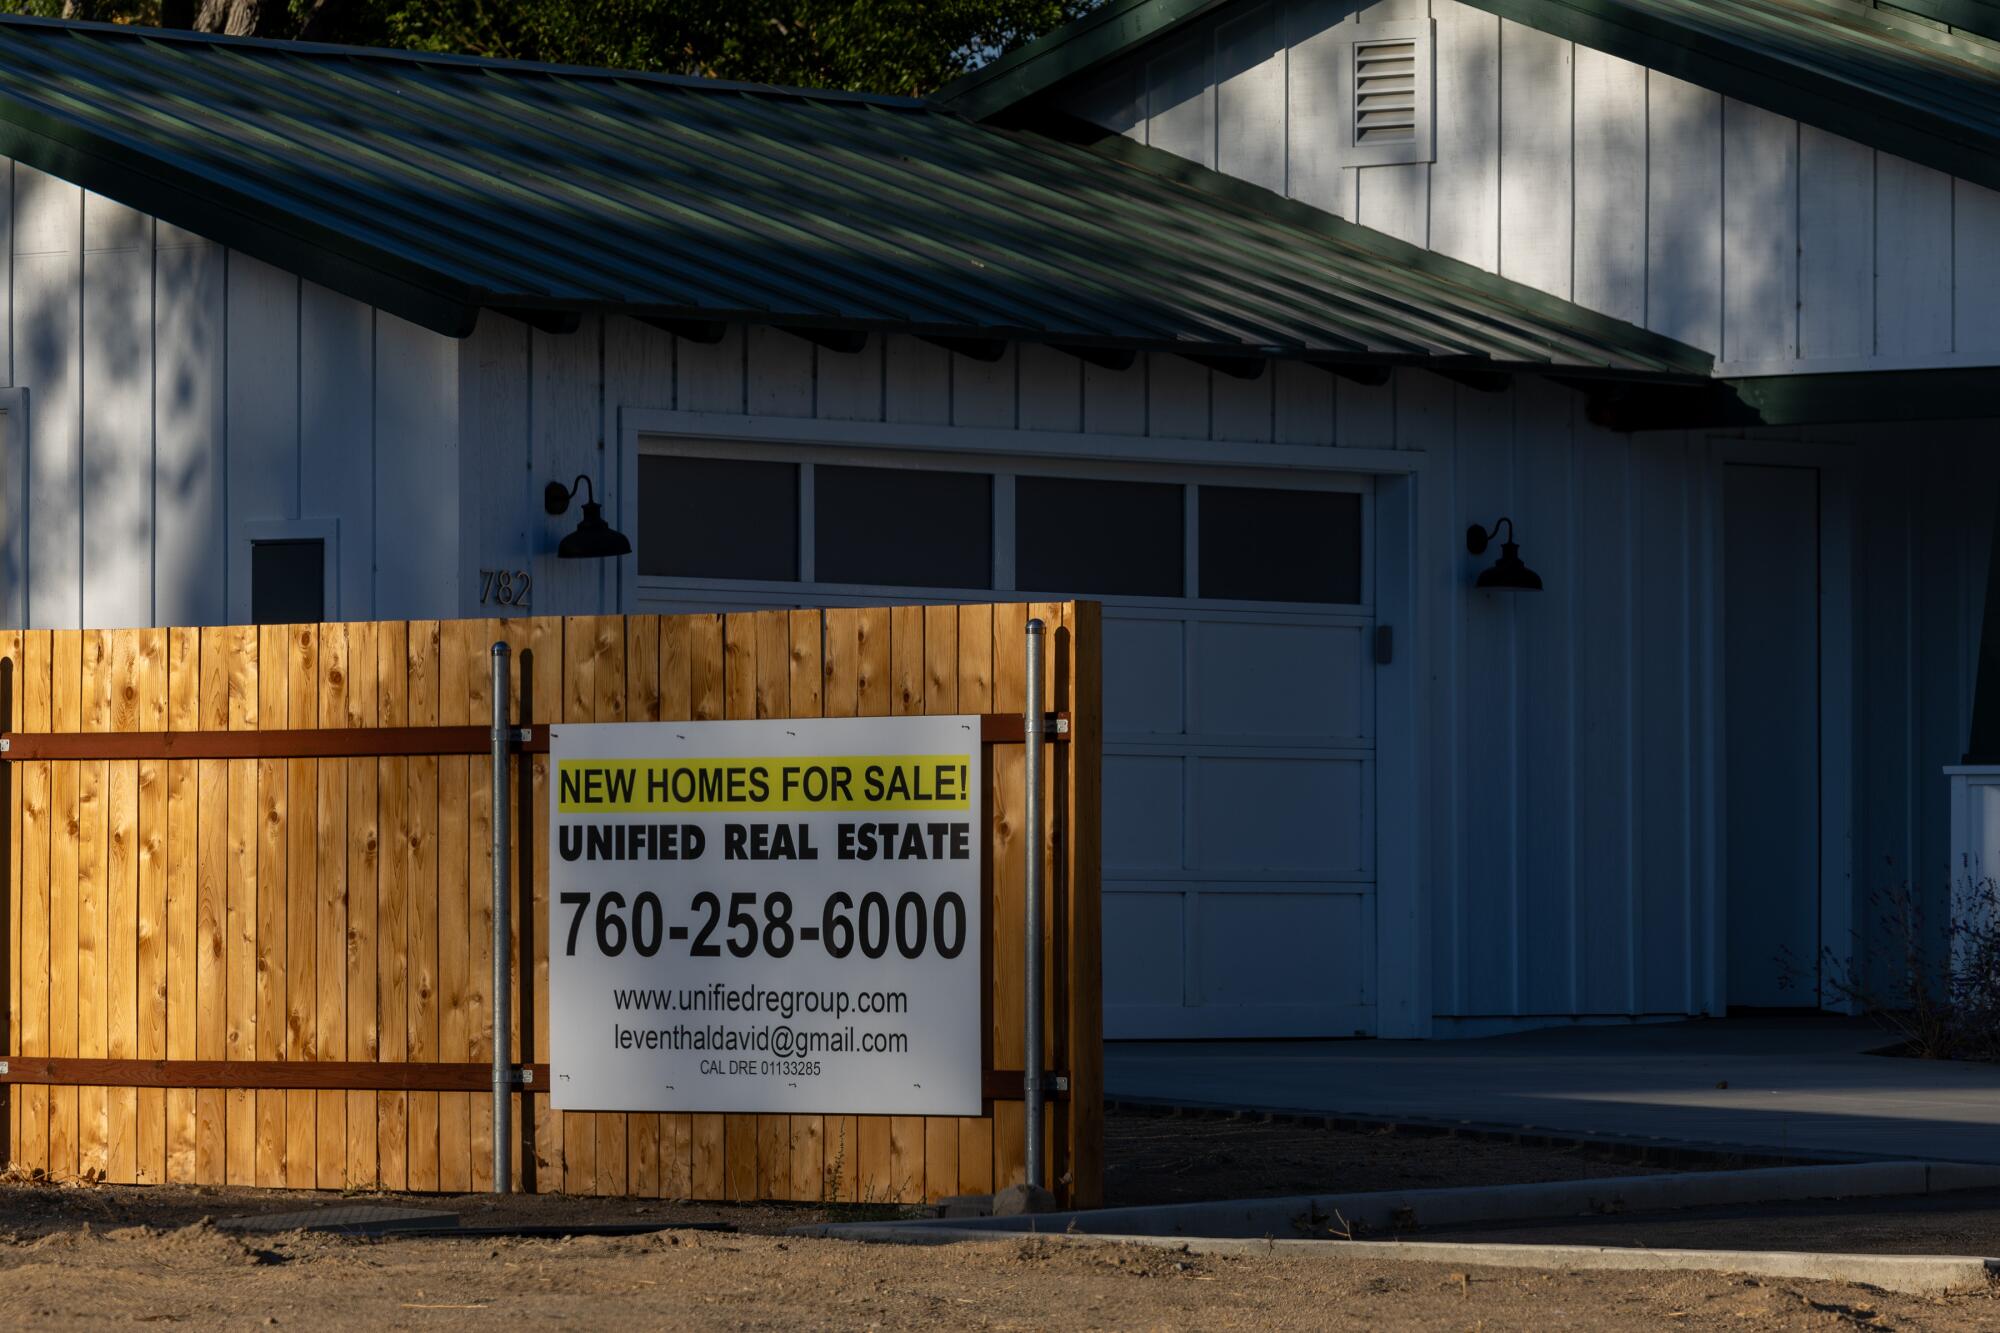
(823, 782)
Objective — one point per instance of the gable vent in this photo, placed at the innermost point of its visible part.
(1385, 93)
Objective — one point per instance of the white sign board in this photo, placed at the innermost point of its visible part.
(766, 916)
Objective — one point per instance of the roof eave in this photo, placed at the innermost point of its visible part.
(326, 257)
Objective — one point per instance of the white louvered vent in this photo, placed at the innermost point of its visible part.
(1385, 93)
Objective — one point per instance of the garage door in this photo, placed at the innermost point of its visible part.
(1239, 780)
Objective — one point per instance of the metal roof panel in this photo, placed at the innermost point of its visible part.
(437, 187)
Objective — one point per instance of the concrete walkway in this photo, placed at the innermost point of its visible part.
(1798, 1086)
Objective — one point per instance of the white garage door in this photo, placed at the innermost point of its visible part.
(1239, 779)
(1239, 819)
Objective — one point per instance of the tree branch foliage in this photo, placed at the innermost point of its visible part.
(890, 46)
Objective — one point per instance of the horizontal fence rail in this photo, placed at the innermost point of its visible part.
(359, 742)
(250, 936)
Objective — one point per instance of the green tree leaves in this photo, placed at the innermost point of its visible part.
(888, 46)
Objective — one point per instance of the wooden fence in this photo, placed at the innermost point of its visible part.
(265, 959)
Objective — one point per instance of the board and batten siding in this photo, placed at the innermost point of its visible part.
(181, 396)
(540, 407)
(1569, 852)
(1774, 245)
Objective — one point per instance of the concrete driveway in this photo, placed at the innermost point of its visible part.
(1800, 1086)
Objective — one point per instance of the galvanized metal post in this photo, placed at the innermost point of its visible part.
(503, 1065)
(1032, 729)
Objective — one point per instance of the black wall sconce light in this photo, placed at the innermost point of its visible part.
(1507, 574)
(594, 539)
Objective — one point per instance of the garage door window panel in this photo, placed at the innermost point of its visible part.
(718, 518)
(1099, 537)
(902, 528)
(1266, 545)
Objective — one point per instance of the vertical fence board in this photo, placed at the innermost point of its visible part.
(10, 685)
(183, 856)
(148, 1106)
(546, 669)
(708, 1148)
(454, 928)
(392, 912)
(739, 669)
(66, 688)
(37, 820)
(357, 952)
(579, 704)
(478, 1001)
(120, 1106)
(302, 908)
(425, 651)
(93, 910)
(1084, 953)
(215, 924)
(607, 652)
(643, 703)
(329, 999)
(271, 884)
(244, 701)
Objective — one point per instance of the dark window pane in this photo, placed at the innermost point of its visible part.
(1280, 546)
(902, 528)
(1075, 536)
(718, 518)
(288, 582)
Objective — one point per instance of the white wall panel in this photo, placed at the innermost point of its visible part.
(1629, 191)
(337, 435)
(191, 556)
(416, 471)
(1683, 211)
(1610, 226)
(1760, 233)
(182, 396)
(1250, 97)
(48, 339)
(1836, 247)
(1537, 162)
(117, 414)
(1913, 260)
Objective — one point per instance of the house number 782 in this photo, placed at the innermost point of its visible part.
(504, 587)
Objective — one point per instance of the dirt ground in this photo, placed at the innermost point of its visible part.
(703, 1280)
(99, 1255)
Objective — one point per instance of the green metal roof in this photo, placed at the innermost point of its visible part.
(1875, 75)
(437, 186)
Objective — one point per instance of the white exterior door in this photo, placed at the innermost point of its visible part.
(1239, 769)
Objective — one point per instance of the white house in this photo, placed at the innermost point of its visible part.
(1234, 314)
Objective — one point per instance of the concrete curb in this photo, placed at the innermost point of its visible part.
(1351, 1216)
(1916, 1274)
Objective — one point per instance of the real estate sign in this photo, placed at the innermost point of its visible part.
(766, 916)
